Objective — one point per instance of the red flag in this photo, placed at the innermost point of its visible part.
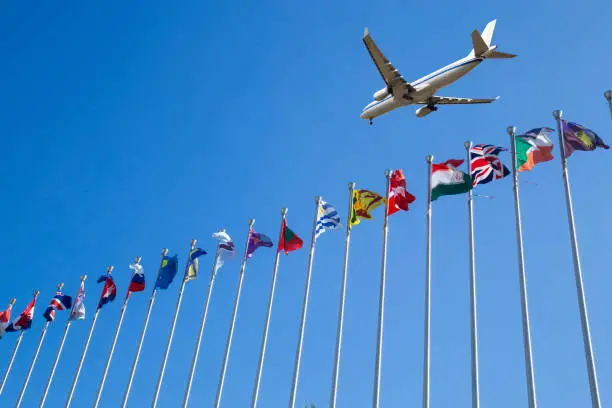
(289, 241)
(399, 198)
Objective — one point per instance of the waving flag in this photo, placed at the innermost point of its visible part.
(137, 284)
(256, 240)
(191, 269)
(78, 308)
(399, 198)
(59, 302)
(446, 179)
(24, 321)
(328, 219)
(289, 241)
(485, 165)
(532, 148)
(577, 137)
(227, 249)
(5, 318)
(109, 292)
(364, 201)
(167, 272)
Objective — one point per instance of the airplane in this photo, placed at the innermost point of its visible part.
(397, 92)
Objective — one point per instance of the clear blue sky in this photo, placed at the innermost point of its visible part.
(128, 127)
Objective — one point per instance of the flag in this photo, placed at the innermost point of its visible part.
(227, 249)
(364, 202)
(59, 302)
(109, 292)
(577, 137)
(137, 284)
(532, 148)
(191, 269)
(327, 219)
(256, 240)
(399, 198)
(289, 241)
(447, 180)
(78, 308)
(485, 166)
(5, 318)
(167, 272)
(24, 321)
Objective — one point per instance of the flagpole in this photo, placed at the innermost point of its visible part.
(171, 335)
(10, 365)
(381, 301)
(128, 388)
(42, 337)
(228, 345)
(427, 330)
(473, 323)
(82, 359)
(584, 318)
(608, 96)
(347, 241)
(196, 352)
(531, 391)
(114, 342)
(57, 357)
(264, 340)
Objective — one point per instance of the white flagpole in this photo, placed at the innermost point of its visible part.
(114, 342)
(10, 364)
(128, 388)
(196, 352)
(228, 345)
(584, 318)
(608, 96)
(381, 300)
(298, 353)
(40, 341)
(427, 330)
(57, 357)
(473, 321)
(171, 335)
(347, 242)
(531, 391)
(80, 366)
(264, 340)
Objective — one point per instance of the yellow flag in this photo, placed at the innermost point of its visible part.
(364, 201)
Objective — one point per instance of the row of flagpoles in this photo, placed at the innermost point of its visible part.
(443, 179)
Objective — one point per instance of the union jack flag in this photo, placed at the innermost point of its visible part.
(485, 165)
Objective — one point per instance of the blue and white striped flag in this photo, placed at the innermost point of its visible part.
(328, 219)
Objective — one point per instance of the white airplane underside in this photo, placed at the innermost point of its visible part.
(397, 92)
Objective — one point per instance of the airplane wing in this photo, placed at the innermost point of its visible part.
(450, 100)
(390, 75)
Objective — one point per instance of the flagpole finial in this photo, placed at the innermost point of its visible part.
(83, 277)
(351, 185)
(468, 145)
(284, 211)
(137, 259)
(60, 285)
(511, 130)
(36, 292)
(388, 173)
(429, 158)
(12, 302)
(557, 114)
(109, 269)
(193, 243)
(608, 95)
(251, 222)
(164, 251)
(318, 199)
(221, 229)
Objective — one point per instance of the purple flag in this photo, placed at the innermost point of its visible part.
(577, 137)
(256, 240)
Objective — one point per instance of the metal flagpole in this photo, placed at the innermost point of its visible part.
(196, 352)
(171, 335)
(584, 318)
(264, 340)
(114, 342)
(298, 353)
(80, 366)
(10, 365)
(347, 241)
(128, 388)
(473, 323)
(29, 374)
(228, 345)
(608, 96)
(381, 301)
(427, 330)
(57, 357)
(531, 391)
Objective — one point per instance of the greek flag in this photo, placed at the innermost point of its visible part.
(328, 219)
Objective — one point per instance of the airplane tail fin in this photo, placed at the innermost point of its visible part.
(482, 47)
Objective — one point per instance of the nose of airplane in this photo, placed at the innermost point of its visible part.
(363, 115)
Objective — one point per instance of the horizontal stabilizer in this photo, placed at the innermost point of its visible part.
(499, 54)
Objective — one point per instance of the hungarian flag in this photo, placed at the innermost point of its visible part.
(289, 241)
(399, 198)
(447, 180)
(532, 148)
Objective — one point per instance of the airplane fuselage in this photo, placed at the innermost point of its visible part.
(424, 88)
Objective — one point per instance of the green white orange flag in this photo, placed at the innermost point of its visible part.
(532, 148)
(446, 179)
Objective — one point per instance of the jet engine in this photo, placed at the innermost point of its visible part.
(382, 94)
(425, 110)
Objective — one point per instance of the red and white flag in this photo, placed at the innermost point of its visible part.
(399, 198)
